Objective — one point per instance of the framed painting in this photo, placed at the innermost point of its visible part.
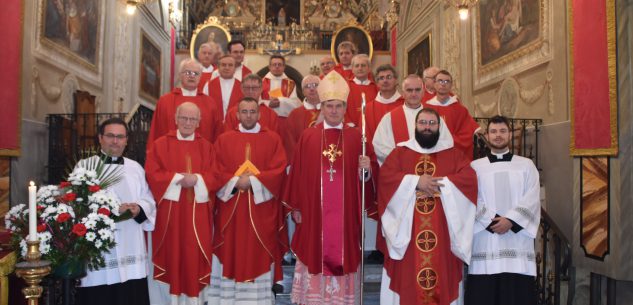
(210, 31)
(150, 68)
(419, 56)
(73, 28)
(283, 12)
(510, 36)
(355, 34)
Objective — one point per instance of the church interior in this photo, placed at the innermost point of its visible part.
(561, 70)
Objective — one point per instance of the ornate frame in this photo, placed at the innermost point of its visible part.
(213, 25)
(353, 26)
(143, 51)
(426, 36)
(529, 55)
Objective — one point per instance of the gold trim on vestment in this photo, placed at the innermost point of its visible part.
(250, 216)
(195, 231)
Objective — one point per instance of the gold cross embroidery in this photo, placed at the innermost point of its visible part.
(332, 153)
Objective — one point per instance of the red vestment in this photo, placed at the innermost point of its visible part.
(164, 119)
(298, 120)
(461, 125)
(374, 113)
(427, 96)
(355, 100)
(429, 273)
(248, 236)
(182, 237)
(333, 248)
(267, 118)
(287, 87)
(346, 74)
(245, 71)
(215, 91)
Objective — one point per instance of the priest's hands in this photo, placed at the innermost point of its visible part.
(296, 216)
(274, 103)
(364, 163)
(188, 181)
(133, 207)
(502, 226)
(429, 185)
(244, 182)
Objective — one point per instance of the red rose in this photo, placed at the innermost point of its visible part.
(103, 211)
(63, 217)
(94, 188)
(41, 227)
(70, 197)
(64, 184)
(79, 229)
(40, 207)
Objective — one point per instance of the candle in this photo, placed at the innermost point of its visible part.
(32, 212)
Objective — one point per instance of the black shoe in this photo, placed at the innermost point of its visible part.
(375, 257)
(288, 263)
(277, 288)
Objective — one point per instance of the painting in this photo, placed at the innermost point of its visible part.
(72, 27)
(357, 35)
(209, 32)
(150, 69)
(419, 56)
(594, 212)
(510, 36)
(283, 12)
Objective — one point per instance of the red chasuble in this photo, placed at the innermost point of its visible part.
(461, 125)
(248, 236)
(399, 125)
(346, 74)
(267, 118)
(164, 119)
(427, 96)
(182, 237)
(355, 101)
(204, 78)
(245, 71)
(429, 273)
(298, 120)
(374, 113)
(287, 86)
(327, 240)
(215, 91)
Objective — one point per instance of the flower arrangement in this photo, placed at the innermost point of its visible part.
(75, 219)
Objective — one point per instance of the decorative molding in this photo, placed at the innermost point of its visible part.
(451, 46)
(50, 92)
(70, 85)
(122, 57)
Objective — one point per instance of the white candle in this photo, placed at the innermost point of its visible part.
(32, 212)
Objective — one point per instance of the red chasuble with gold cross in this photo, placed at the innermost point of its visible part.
(428, 273)
(324, 186)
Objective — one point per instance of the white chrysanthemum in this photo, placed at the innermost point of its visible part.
(45, 248)
(90, 224)
(90, 236)
(44, 236)
(23, 247)
(98, 244)
(104, 233)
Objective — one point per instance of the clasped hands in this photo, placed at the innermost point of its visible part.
(429, 185)
(133, 207)
(244, 182)
(188, 181)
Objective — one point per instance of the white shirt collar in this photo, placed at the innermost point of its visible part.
(390, 100)
(113, 157)
(191, 137)
(328, 126)
(208, 69)
(434, 101)
(255, 129)
(309, 106)
(500, 156)
(406, 108)
(186, 92)
(443, 143)
(269, 75)
(347, 67)
(227, 80)
(361, 82)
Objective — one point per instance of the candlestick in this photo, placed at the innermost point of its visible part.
(32, 212)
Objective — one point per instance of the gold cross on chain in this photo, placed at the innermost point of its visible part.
(332, 153)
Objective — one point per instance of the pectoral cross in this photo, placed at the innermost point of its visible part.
(332, 153)
(331, 171)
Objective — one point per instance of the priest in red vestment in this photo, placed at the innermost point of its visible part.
(163, 119)
(249, 239)
(345, 51)
(178, 171)
(236, 50)
(426, 203)
(428, 76)
(252, 87)
(208, 53)
(461, 125)
(303, 117)
(278, 91)
(225, 90)
(327, 64)
(359, 84)
(323, 193)
(387, 99)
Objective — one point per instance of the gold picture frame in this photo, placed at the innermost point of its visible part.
(419, 55)
(150, 68)
(210, 30)
(355, 33)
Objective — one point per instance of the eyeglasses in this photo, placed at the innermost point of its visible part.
(384, 77)
(429, 123)
(111, 136)
(443, 81)
(277, 64)
(190, 73)
(185, 119)
(411, 90)
(311, 85)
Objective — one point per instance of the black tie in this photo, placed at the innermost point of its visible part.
(109, 160)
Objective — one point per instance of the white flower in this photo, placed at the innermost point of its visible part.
(23, 247)
(105, 234)
(44, 236)
(98, 244)
(90, 236)
(90, 224)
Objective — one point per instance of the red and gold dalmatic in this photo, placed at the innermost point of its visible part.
(287, 86)
(428, 273)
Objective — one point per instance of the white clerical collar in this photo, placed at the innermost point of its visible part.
(390, 100)
(227, 80)
(309, 106)
(186, 92)
(328, 126)
(255, 129)
(273, 77)
(208, 69)
(361, 82)
(434, 101)
(114, 158)
(406, 108)
(179, 136)
(347, 67)
(500, 155)
(443, 143)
